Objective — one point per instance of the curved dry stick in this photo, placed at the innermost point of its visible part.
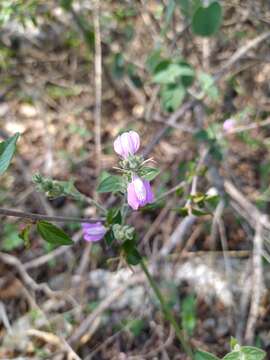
(257, 284)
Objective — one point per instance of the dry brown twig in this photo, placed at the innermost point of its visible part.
(36, 217)
(26, 278)
(98, 82)
(257, 284)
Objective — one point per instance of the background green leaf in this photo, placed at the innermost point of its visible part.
(172, 97)
(188, 314)
(204, 355)
(7, 150)
(207, 20)
(172, 72)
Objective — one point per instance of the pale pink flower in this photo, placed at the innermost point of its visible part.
(228, 125)
(127, 144)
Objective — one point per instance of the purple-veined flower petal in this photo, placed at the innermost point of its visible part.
(139, 189)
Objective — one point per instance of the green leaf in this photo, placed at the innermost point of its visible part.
(183, 211)
(24, 234)
(169, 12)
(185, 6)
(233, 342)
(133, 257)
(172, 72)
(136, 326)
(246, 353)
(172, 97)
(10, 238)
(153, 60)
(202, 135)
(198, 212)
(187, 80)
(207, 20)
(7, 150)
(204, 355)
(118, 66)
(188, 314)
(188, 7)
(198, 198)
(52, 234)
(208, 86)
(212, 200)
(111, 183)
(66, 4)
(109, 237)
(149, 173)
(114, 216)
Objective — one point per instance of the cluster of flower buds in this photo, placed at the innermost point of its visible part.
(139, 192)
(123, 232)
(52, 188)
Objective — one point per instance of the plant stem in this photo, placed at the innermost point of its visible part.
(167, 311)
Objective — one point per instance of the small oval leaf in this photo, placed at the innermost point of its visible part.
(53, 234)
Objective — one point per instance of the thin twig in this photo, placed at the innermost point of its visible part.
(36, 217)
(98, 83)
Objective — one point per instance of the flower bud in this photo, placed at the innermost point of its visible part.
(123, 232)
(93, 232)
(127, 144)
(139, 193)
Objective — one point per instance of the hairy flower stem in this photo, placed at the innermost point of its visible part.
(167, 311)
